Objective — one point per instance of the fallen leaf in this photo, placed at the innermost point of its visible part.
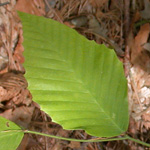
(31, 7)
(139, 40)
(74, 145)
(21, 115)
(10, 85)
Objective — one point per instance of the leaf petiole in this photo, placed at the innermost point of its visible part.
(125, 137)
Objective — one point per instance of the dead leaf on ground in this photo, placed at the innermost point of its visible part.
(36, 7)
(140, 39)
(20, 115)
(139, 73)
(11, 85)
(10, 27)
(74, 144)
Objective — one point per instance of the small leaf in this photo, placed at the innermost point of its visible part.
(10, 135)
(79, 83)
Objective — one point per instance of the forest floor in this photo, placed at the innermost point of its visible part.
(120, 24)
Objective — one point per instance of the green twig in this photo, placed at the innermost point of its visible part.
(126, 137)
(77, 140)
(138, 141)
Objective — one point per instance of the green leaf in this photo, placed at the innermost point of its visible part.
(10, 135)
(79, 83)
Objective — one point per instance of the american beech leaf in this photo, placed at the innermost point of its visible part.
(79, 83)
(10, 135)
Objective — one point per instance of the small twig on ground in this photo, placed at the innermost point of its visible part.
(2, 4)
(127, 64)
(126, 18)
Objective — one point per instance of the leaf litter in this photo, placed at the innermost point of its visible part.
(102, 22)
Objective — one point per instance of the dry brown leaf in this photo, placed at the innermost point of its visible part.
(18, 52)
(10, 85)
(74, 144)
(139, 40)
(21, 115)
(10, 27)
(23, 97)
(139, 73)
(36, 7)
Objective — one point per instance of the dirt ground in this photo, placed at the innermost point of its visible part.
(123, 25)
